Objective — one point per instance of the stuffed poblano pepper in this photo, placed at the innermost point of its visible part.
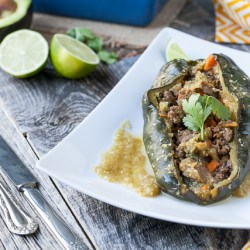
(197, 128)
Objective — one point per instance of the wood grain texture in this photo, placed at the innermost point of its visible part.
(38, 112)
(43, 239)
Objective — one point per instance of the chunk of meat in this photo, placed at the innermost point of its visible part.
(213, 79)
(188, 166)
(221, 138)
(221, 146)
(169, 96)
(176, 89)
(207, 89)
(208, 133)
(175, 114)
(195, 169)
(198, 67)
(228, 134)
(195, 147)
(184, 94)
(223, 171)
(220, 132)
(184, 136)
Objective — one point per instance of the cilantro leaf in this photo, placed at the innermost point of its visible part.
(80, 34)
(196, 114)
(207, 111)
(189, 106)
(107, 57)
(198, 108)
(191, 123)
(218, 108)
(71, 32)
(95, 43)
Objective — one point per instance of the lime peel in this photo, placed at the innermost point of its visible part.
(71, 58)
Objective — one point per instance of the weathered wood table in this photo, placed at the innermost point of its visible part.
(38, 113)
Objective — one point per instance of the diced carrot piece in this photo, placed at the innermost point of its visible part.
(205, 187)
(230, 125)
(163, 115)
(210, 63)
(212, 165)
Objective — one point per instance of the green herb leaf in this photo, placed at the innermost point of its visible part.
(196, 114)
(218, 108)
(80, 34)
(107, 57)
(189, 106)
(198, 108)
(95, 43)
(71, 32)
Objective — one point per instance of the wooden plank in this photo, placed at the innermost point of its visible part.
(10, 241)
(43, 239)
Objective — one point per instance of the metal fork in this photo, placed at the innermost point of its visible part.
(17, 220)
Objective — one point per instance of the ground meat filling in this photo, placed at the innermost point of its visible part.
(191, 155)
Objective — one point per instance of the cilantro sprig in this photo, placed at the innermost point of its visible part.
(94, 42)
(197, 110)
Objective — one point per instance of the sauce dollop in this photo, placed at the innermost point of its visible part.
(125, 163)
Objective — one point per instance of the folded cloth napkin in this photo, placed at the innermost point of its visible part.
(232, 21)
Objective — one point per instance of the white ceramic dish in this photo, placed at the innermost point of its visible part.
(73, 159)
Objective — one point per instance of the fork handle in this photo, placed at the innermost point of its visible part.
(17, 220)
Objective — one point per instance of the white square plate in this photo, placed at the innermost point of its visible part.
(72, 161)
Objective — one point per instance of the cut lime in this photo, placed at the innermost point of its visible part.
(71, 58)
(173, 51)
(23, 53)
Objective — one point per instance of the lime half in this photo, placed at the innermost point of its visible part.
(173, 51)
(23, 53)
(71, 58)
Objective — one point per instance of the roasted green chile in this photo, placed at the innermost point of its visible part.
(157, 134)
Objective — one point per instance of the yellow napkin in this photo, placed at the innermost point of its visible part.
(232, 21)
(247, 246)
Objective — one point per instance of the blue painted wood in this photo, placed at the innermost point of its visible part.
(132, 12)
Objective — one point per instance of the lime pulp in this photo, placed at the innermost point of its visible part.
(23, 53)
(174, 51)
